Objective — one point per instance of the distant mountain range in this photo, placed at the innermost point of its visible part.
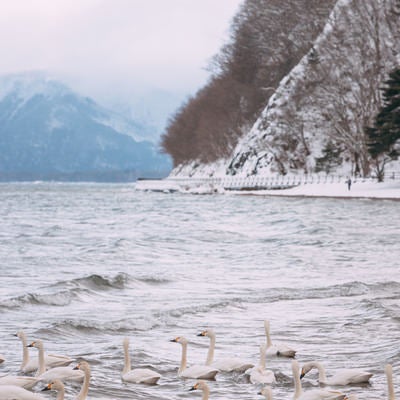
(47, 131)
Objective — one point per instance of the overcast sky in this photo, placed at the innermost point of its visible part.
(101, 45)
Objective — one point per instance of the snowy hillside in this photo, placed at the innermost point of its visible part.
(321, 107)
(48, 131)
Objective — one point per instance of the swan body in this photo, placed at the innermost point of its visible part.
(202, 385)
(9, 392)
(137, 375)
(32, 364)
(266, 391)
(260, 374)
(225, 364)
(58, 386)
(281, 350)
(61, 373)
(389, 378)
(26, 382)
(341, 378)
(85, 367)
(316, 394)
(195, 371)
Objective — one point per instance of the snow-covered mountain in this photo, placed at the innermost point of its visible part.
(316, 118)
(49, 131)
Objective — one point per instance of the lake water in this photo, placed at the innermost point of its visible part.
(84, 265)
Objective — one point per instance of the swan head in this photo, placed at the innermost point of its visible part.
(207, 332)
(38, 344)
(306, 368)
(180, 339)
(199, 385)
(266, 392)
(55, 385)
(83, 366)
(20, 335)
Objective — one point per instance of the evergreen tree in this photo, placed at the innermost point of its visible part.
(382, 137)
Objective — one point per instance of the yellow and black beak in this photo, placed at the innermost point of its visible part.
(204, 333)
(302, 374)
(194, 387)
(31, 345)
(77, 366)
(48, 387)
(175, 340)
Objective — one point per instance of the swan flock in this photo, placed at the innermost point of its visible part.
(54, 372)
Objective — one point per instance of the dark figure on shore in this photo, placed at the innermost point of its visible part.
(348, 183)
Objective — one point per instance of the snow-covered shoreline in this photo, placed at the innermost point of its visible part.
(359, 189)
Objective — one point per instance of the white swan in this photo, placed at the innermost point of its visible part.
(341, 378)
(85, 368)
(58, 386)
(316, 394)
(26, 382)
(260, 374)
(8, 392)
(389, 378)
(30, 365)
(202, 385)
(195, 371)
(277, 349)
(137, 375)
(61, 373)
(224, 364)
(266, 391)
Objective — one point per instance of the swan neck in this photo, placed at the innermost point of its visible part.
(296, 378)
(25, 351)
(60, 394)
(85, 386)
(389, 377)
(266, 326)
(206, 393)
(210, 354)
(42, 366)
(263, 356)
(183, 358)
(127, 359)
(321, 371)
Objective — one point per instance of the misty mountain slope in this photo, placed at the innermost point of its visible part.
(45, 128)
(315, 120)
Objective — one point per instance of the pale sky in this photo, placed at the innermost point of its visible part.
(101, 45)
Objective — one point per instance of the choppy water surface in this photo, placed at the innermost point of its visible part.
(83, 266)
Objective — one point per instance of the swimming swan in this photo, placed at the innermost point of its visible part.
(224, 364)
(266, 391)
(26, 382)
(195, 371)
(83, 366)
(201, 385)
(8, 392)
(137, 375)
(61, 373)
(341, 378)
(260, 374)
(277, 350)
(316, 394)
(30, 365)
(58, 386)
(389, 378)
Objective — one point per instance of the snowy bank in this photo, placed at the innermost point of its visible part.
(359, 188)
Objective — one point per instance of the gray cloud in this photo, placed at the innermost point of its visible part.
(102, 45)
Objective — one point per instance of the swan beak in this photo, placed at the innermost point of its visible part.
(204, 333)
(302, 375)
(48, 387)
(76, 367)
(194, 387)
(31, 345)
(175, 340)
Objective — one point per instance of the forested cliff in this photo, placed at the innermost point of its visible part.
(293, 90)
